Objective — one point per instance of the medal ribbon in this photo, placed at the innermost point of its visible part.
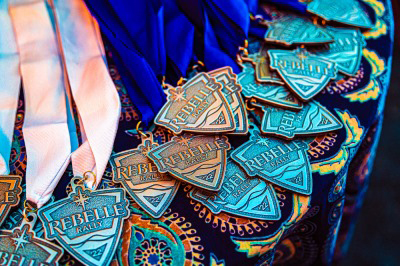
(179, 41)
(10, 82)
(295, 5)
(136, 40)
(92, 88)
(46, 123)
(45, 127)
(224, 25)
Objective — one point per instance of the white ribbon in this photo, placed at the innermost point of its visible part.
(10, 82)
(46, 122)
(92, 88)
(45, 127)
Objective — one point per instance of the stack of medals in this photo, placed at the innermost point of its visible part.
(231, 164)
(211, 111)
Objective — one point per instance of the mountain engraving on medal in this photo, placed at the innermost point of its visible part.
(345, 51)
(241, 195)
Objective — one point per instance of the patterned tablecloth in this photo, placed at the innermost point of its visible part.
(313, 229)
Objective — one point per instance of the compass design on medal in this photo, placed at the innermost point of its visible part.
(21, 238)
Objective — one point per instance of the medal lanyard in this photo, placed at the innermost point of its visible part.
(295, 5)
(10, 81)
(133, 31)
(92, 88)
(46, 121)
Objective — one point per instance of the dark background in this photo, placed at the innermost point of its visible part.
(376, 238)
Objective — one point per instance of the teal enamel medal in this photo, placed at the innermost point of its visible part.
(312, 119)
(347, 12)
(346, 51)
(241, 195)
(284, 163)
(305, 73)
(291, 30)
(276, 95)
(88, 224)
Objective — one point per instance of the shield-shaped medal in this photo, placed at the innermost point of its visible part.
(348, 12)
(231, 90)
(276, 95)
(20, 246)
(241, 195)
(305, 73)
(346, 51)
(152, 190)
(197, 159)
(312, 119)
(10, 190)
(87, 223)
(263, 72)
(284, 163)
(197, 106)
(290, 30)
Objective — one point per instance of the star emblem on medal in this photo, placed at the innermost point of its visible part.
(21, 238)
(263, 142)
(184, 140)
(177, 94)
(81, 199)
(146, 147)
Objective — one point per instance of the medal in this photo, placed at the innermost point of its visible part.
(241, 195)
(197, 106)
(276, 95)
(347, 12)
(305, 73)
(284, 163)
(197, 159)
(152, 190)
(291, 30)
(88, 224)
(263, 72)
(231, 91)
(10, 190)
(312, 119)
(20, 246)
(346, 51)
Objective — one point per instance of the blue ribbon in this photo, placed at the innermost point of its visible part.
(294, 5)
(136, 39)
(155, 38)
(179, 40)
(223, 24)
